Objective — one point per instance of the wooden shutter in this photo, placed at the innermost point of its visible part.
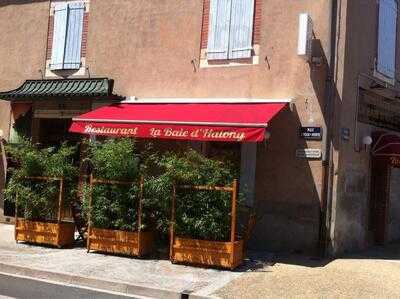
(241, 29)
(218, 32)
(387, 32)
(73, 45)
(59, 35)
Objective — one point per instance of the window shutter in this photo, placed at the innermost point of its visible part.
(59, 35)
(74, 36)
(241, 35)
(387, 31)
(218, 32)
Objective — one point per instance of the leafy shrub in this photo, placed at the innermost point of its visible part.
(199, 214)
(114, 206)
(38, 200)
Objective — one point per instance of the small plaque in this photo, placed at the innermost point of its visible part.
(345, 132)
(309, 153)
(311, 133)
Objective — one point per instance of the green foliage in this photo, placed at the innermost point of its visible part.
(115, 159)
(114, 206)
(37, 200)
(199, 214)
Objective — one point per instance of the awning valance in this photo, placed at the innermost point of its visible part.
(67, 88)
(386, 145)
(236, 122)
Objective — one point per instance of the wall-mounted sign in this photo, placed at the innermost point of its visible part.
(309, 153)
(311, 133)
(376, 110)
(345, 133)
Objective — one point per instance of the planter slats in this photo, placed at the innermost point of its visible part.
(121, 242)
(136, 243)
(209, 253)
(49, 233)
(56, 234)
(202, 252)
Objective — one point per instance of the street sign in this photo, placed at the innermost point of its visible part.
(309, 153)
(311, 133)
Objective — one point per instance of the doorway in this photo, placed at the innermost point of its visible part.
(393, 228)
(385, 201)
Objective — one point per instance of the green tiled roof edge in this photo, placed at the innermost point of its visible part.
(60, 88)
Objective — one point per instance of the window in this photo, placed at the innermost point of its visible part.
(67, 36)
(387, 33)
(230, 31)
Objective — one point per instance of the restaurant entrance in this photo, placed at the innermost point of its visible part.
(385, 189)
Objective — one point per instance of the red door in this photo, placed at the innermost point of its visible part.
(379, 199)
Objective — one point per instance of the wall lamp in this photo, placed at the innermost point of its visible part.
(367, 141)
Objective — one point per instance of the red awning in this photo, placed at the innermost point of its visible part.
(185, 121)
(386, 145)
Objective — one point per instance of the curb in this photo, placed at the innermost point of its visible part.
(105, 285)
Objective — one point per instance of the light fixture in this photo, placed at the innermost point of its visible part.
(1, 134)
(367, 141)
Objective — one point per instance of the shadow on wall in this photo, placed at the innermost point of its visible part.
(287, 202)
(290, 203)
(19, 2)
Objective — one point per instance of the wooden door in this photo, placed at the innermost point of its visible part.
(379, 200)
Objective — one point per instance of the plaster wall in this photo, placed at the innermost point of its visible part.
(355, 61)
(163, 61)
(23, 37)
(152, 49)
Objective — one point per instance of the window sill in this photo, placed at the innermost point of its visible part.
(383, 78)
(67, 72)
(253, 60)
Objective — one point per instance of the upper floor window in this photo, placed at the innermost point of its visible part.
(230, 31)
(387, 38)
(67, 36)
(230, 34)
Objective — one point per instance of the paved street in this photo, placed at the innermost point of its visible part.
(22, 288)
(373, 274)
(77, 267)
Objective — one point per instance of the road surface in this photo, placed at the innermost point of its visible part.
(25, 288)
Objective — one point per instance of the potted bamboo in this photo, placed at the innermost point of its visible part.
(42, 187)
(224, 254)
(202, 227)
(117, 215)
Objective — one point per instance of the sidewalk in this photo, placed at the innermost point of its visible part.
(373, 274)
(146, 277)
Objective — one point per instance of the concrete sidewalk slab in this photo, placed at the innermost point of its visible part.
(372, 274)
(146, 277)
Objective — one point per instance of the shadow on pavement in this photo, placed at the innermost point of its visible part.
(387, 252)
(257, 261)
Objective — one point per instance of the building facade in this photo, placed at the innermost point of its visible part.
(308, 194)
(365, 199)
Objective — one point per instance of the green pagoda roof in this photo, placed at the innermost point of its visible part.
(93, 87)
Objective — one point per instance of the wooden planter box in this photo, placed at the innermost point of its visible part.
(50, 233)
(120, 242)
(208, 253)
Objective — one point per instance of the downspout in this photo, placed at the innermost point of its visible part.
(327, 159)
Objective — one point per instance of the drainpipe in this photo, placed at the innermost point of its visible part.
(327, 159)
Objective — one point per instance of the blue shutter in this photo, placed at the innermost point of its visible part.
(241, 32)
(218, 31)
(72, 56)
(387, 31)
(59, 34)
